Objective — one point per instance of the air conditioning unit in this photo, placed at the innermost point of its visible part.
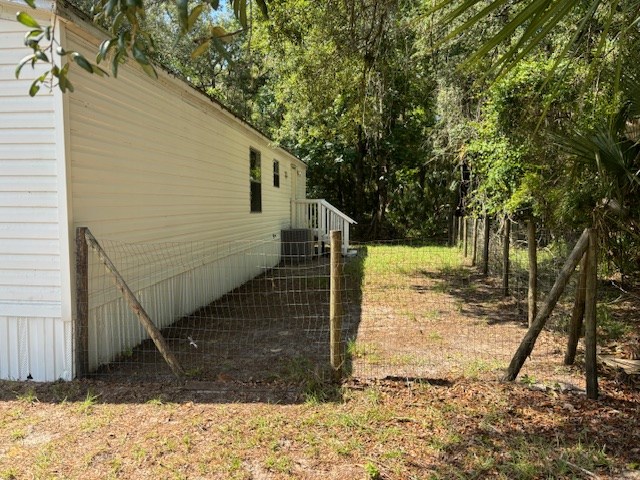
(297, 244)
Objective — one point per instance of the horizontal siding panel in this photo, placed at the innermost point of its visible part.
(12, 86)
(41, 103)
(129, 130)
(33, 183)
(213, 163)
(140, 181)
(22, 231)
(28, 215)
(26, 152)
(29, 278)
(30, 262)
(177, 212)
(30, 246)
(29, 294)
(31, 310)
(25, 120)
(25, 135)
(29, 199)
(11, 32)
(22, 167)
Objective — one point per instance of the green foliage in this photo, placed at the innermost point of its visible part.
(129, 36)
(41, 40)
(353, 99)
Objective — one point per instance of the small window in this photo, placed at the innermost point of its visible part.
(276, 173)
(255, 178)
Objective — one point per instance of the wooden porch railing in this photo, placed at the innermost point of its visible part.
(321, 217)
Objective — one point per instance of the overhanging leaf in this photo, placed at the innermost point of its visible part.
(139, 54)
(23, 62)
(27, 20)
(200, 49)
(82, 62)
(220, 33)
(182, 6)
(103, 50)
(35, 87)
(193, 16)
(150, 71)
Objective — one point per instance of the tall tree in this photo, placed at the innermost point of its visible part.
(356, 102)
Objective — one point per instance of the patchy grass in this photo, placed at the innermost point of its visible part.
(383, 429)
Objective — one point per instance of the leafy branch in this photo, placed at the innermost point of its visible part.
(45, 47)
(124, 22)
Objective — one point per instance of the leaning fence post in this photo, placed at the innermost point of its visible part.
(590, 358)
(529, 340)
(336, 307)
(81, 326)
(137, 308)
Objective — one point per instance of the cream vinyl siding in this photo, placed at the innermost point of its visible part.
(157, 164)
(35, 339)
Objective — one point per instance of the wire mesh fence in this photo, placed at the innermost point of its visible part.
(254, 312)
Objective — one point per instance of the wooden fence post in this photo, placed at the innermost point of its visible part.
(474, 249)
(336, 311)
(465, 242)
(81, 324)
(591, 292)
(529, 340)
(452, 230)
(577, 315)
(137, 308)
(532, 291)
(505, 256)
(485, 249)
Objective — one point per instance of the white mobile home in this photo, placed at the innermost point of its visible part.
(134, 159)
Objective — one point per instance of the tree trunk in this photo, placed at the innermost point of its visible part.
(532, 291)
(360, 180)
